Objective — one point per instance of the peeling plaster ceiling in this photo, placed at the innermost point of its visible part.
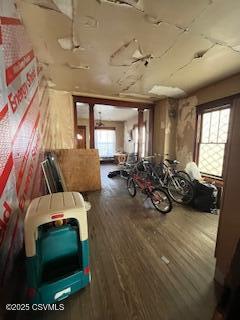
(141, 49)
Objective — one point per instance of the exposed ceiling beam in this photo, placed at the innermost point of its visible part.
(113, 102)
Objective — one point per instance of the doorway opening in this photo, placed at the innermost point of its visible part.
(81, 137)
(113, 127)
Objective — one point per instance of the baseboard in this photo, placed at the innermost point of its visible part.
(103, 161)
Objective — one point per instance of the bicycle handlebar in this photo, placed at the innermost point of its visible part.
(148, 157)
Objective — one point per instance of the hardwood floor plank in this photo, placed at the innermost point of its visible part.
(129, 278)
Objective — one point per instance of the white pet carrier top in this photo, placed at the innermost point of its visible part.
(52, 207)
(193, 171)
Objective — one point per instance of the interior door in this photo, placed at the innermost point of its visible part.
(81, 137)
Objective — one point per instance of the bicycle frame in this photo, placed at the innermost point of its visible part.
(168, 173)
(142, 183)
(155, 174)
(145, 185)
(141, 177)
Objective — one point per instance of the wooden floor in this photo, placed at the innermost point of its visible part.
(129, 278)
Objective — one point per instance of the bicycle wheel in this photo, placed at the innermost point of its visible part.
(180, 189)
(131, 187)
(161, 201)
(184, 174)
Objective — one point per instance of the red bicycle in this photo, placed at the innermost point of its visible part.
(139, 178)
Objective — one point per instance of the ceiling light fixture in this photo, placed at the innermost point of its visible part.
(79, 136)
(99, 122)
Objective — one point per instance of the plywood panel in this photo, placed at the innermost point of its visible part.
(80, 168)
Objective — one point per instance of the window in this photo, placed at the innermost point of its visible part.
(105, 142)
(213, 139)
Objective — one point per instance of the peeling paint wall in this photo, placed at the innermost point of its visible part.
(170, 130)
(165, 121)
(185, 131)
(160, 112)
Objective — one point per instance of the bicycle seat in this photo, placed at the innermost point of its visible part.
(172, 161)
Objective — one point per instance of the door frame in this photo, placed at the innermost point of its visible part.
(85, 128)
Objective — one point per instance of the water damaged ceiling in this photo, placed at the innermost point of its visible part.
(141, 49)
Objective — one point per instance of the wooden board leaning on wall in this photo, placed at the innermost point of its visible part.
(80, 168)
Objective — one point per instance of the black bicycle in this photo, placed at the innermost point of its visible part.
(179, 188)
